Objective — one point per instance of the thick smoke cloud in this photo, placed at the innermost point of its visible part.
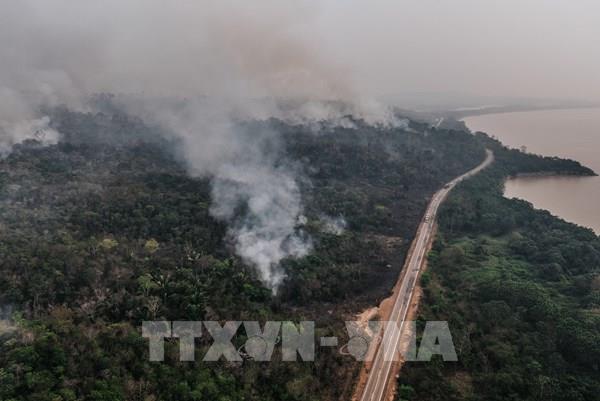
(59, 51)
(267, 232)
(254, 188)
(231, 60)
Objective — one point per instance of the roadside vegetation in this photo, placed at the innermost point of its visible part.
(520, 290)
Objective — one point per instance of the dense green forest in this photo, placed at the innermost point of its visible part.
(521, 292)
(107, 229)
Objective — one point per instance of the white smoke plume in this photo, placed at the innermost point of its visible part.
(254, 189)
(333, 225)
(230, 59)
(267, 232)
(15, 132)
(6, 323)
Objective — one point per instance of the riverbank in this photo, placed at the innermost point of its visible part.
(552, 174)
(463, 114)
(572, 134)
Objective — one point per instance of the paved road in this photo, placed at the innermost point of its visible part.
(381, 370)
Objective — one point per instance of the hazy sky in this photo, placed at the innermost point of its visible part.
(327, 48)
(540, 48)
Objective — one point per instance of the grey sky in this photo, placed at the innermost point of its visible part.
(537, 48)
(326, 48)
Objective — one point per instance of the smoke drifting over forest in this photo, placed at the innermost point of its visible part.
(60, 51)
(300, 61)
(229, 60)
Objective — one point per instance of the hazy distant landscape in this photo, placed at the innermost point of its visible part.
(299, 200)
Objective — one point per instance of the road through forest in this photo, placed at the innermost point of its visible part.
(378, 382)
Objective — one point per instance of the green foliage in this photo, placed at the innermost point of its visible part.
(107, 229)
(151, 245)
(514, 285)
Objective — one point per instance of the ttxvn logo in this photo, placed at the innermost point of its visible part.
(298, 341)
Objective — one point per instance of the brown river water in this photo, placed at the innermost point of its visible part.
(574, 134)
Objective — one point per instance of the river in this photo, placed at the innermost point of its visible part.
(574, 134)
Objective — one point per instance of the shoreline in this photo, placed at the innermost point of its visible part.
(552, 174)
(561, 193)
(460, 116)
